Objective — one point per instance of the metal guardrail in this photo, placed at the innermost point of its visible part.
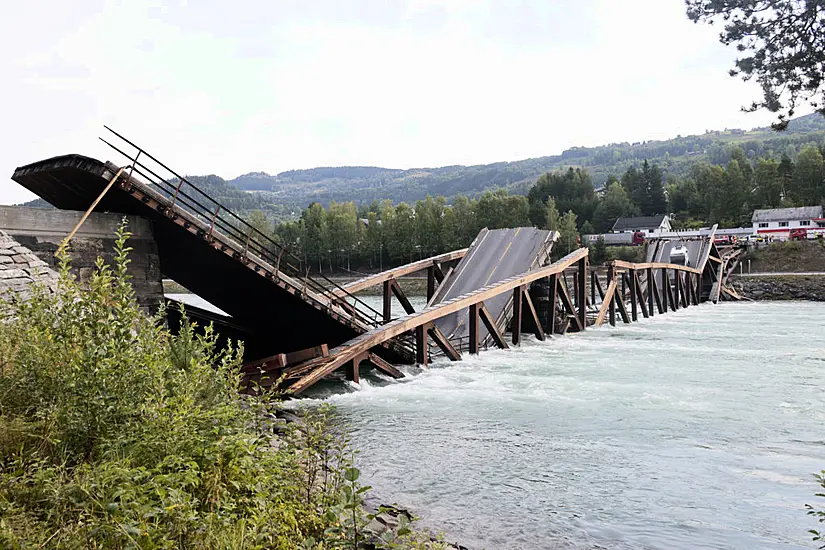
(185, 195)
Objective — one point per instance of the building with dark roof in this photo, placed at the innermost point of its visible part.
(649, 225)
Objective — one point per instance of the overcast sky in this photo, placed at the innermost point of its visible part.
(271, 85)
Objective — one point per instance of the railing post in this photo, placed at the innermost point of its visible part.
(212, 223)
(634, 316)
(582, 292)
(650, 291)
(430, 282)
(517, 302)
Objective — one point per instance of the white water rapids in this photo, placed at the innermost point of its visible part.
(696, 429)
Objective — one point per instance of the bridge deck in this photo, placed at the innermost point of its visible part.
(214, 256)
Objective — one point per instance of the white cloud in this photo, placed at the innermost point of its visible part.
(276, 86)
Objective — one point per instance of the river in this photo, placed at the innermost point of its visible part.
(697, 429)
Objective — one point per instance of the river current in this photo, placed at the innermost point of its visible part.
(696, 429)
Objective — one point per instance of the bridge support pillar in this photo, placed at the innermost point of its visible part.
(354, 368)
(387, 301)
(651, 287)
(421, 355)
(474, 329)
(677, 275)
(518, 299)
(553, 295)
(634, 315)
(611, 309)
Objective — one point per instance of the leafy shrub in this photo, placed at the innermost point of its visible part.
(115, 433)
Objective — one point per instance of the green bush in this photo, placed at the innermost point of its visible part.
(115, 433)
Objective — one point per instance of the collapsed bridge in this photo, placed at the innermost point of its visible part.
(304, 326)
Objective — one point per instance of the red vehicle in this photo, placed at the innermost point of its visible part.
(798, 234)
(724, 239)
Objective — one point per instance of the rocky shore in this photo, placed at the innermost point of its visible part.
(782, 287)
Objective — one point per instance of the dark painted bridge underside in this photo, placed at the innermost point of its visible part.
(278, 320)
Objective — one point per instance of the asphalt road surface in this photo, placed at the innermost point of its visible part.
(494, 256)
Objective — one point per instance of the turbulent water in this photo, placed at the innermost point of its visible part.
(697, 429)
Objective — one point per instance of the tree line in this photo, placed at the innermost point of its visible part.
(383, 234)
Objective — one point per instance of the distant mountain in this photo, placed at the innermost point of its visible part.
(363, 184)
(282, 194)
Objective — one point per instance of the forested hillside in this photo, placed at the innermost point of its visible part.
(298, 188)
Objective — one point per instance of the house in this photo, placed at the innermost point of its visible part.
(649, 225)
(777, 222)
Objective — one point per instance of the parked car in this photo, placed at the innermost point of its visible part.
(798, 234)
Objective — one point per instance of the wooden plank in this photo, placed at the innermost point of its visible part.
(443, 343)
(516, 321)
(273, 362)
(537, 330)
(378, 278)
(378, 335)
(492, 327)
(607, 298)
(307, 354)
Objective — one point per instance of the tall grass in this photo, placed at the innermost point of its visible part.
(115, 433)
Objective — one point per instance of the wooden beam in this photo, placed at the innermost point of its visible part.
(598, 286)
(582, 291)
(384, 366)
(634, 313)
(654, 265)
(492, 327)
(640, 296)
(421, 355)
(537, 330)
(657, 294)
(593, 279)
(677, 280)
(669, 291)
(553, 293)
(387, 294)
(515, 324)
(354, 369)
(473, 328)
(622, 308)
(378, 278)
(611, 305)
(443, 343)
(651, 286)
(439, 274)
(567, 303)
(430, 282)
(402, 298)
(607, 299)
(273, 362)
(378, 335)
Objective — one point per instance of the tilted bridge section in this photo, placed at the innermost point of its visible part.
(502, 281)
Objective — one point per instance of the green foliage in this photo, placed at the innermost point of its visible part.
(115, 433)
(782, 43)
(818, 536)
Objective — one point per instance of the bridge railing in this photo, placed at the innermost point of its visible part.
(185, 195)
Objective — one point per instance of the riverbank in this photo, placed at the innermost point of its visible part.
(782, 287)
